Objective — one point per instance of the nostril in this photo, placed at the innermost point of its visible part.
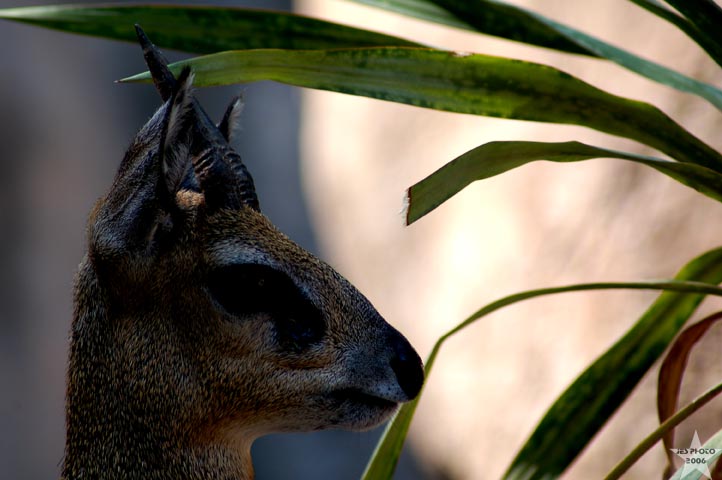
(408, 368)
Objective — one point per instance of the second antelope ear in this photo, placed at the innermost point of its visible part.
(174, 146)
(229, 123)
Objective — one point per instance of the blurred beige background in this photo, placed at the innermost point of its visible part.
(544, 224)
(64, 127)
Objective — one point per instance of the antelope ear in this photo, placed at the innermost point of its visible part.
(174, 145)
(229, 123)
(138, 211)
(228, 127)
(222, 177)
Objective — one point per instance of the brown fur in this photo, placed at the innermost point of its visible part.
(163, 380)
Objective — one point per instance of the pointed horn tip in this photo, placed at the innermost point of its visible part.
(157, 64)
(140, 34)
(145, 43)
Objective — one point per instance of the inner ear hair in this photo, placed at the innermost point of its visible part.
(229, 124)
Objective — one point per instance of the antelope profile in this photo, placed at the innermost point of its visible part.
(199, 327)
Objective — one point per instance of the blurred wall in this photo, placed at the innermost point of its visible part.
(544, 224)
(64, 126)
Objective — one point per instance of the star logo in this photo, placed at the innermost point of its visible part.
(695, 457)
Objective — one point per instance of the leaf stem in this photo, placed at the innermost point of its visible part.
(671, 285)
(656, 435)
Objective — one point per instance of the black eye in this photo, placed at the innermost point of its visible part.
(246, 289)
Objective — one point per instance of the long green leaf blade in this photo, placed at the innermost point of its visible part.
(201, 29)
(508, 21)
(706, 15)
(385, 457)
(641, 66)
(498, 157)
(489, 17)
(713, 49)
(594, 396)
(463, 83)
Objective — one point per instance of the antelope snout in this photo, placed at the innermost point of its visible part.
(388, 369)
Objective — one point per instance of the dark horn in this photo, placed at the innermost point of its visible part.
(157, 64)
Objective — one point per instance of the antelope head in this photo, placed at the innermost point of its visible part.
(199, 326)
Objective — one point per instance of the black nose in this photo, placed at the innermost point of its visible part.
(408, 368)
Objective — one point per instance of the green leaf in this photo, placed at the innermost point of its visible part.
(489, 17)
(201, 29)
(714, 443)
(706, 15)
(594, 396)
(515, 23)
(463, 83)
(498, 157)
(383, 462)
(713, 49)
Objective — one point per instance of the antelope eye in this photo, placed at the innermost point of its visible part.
(246, 289)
